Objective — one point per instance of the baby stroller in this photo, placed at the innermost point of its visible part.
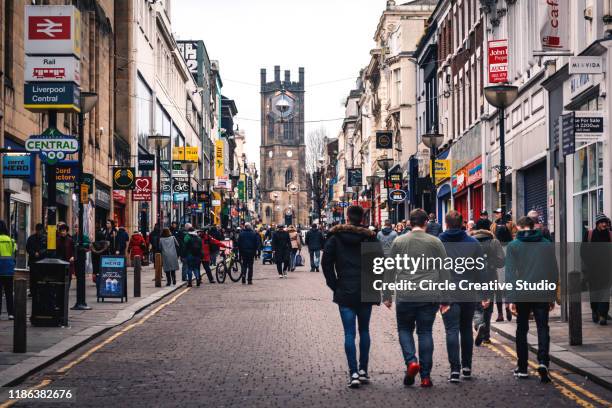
(266, 253)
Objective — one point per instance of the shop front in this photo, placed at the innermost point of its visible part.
(119, 203)
(102, 205)
(474, 183)
(460, 193)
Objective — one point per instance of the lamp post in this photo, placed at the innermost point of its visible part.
(88, 101)
(433, 141)
(274, 199)
(189, 167)
(385, 163)
(372, 181)
(159, 142)
(501, 97)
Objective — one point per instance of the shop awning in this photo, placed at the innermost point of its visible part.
(444, 190)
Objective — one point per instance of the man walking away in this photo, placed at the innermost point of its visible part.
(596, 258)
(193, 251)
(416, 309)
(494, 259)
(539, 225)
(36, 247)
(281, 246)
(341, 264)
(386, 236)
(314, 242)
(433, 228)
(248, 244)
(458, 315)
(531, 258)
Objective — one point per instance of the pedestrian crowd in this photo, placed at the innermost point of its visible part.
(506, 247)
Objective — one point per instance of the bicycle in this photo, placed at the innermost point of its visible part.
(229, 265)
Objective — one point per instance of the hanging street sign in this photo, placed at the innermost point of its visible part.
(124, 178)
(52, 69)
(143, 189)
(52, 146)
(60, 96)
(52, 30)
(498, 61)
(384, 140)
(398, 196)
(589, 126)
(355, 177)
(16, 166)
(146, 162)
(67, 172)
(188, 153)
(585, 65)
(568, 135)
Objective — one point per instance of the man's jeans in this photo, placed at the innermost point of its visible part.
(458, 322)
(483, 316)
(247, 267)
(540, 314)
(349, 315)
(193, 267)
(421, 315)
(184, 269)
(315, 258)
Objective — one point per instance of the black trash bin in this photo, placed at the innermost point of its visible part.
(49, 292)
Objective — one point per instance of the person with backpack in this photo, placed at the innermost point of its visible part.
(596, 256)
(8, 250)
(342, 269)
(207, 243)
(193, 255)
(386, 236)
(314, 242)
(433, 228)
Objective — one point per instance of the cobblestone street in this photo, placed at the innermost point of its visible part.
(279, 343)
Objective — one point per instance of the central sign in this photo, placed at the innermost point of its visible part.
(52, 147)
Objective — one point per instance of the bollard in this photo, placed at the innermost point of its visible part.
(20, 322)
(137, 272)
(158, 270)
(574, 315)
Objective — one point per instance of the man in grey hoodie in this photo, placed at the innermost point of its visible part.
(386, 236)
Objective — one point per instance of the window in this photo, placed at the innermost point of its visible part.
(288, 176)
(270, 178)
(588, 186)
(144, 108)
(288, 130)
(268, 212)
(397, 88)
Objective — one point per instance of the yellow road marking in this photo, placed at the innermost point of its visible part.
(565, 391)
(92, 350)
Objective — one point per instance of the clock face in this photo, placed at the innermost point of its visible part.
(283, 105)
(289, 153)
(270, 154)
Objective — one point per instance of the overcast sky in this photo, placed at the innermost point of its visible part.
(331, 39)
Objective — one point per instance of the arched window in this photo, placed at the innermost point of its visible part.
(270, 127)
(268, 212)
(288, 176)
(269, 178)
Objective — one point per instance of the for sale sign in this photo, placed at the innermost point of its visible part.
(52, 30)
(498, 61)
(143, 189)
(52, 69)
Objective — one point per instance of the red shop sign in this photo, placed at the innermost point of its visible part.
(119, 196)
(459, 180)
(474, 171)
(498, 61)
(143, 189)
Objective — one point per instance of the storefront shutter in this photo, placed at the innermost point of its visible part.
(535, 190)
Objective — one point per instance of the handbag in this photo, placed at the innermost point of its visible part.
(299, 261)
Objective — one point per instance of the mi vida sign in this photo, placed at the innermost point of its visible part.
(585, 65)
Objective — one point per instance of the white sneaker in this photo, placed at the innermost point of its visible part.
(11, 317)
(280, 276)
(353, 381)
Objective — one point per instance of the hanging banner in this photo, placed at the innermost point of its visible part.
(554, 24)
(219, 166)
(143, 189)
(443, 169)
(241, 187)
(498, 61)
(250, 188)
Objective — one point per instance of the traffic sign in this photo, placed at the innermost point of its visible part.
(53, 69)
(398, 195)
(52, 146)
(52, 30)
(60, 96)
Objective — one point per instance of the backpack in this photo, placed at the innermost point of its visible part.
(299, 261)
(194, 246)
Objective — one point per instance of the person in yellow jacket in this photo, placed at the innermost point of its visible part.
(7, 268)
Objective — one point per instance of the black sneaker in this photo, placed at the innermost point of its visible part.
(467, 373)
(353, 381)
(479, 335)
(454, 377)
(603, 321)
(595, 317)
(521, 375)
(544, 375)
(364, 378)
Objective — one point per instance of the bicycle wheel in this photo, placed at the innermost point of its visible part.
(235, 270)
(220, 272)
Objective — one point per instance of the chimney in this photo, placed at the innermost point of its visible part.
(287, 77)
(302, 77)
(277, 74)
(262, 74)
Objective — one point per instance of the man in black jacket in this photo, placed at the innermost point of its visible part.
(341, 264)
(281, 246)
(36, 245)
(248, 244)
(314, 242)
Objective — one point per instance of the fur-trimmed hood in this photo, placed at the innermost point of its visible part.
(352, 234)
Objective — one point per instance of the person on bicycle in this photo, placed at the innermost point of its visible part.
(248, 244)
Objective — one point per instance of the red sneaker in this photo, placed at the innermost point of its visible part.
(426, 383)
(411, 372)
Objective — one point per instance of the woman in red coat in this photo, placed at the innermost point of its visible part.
(207, 241)
(137, 246)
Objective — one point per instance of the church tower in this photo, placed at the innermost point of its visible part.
(284, 185)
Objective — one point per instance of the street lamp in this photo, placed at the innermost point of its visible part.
(87, 102)
(372, 181)
(274, 199)
(385, 163)
(159, 142)
(501, 97)
(433, 141)
(189, 167)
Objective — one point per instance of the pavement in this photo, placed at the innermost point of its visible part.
(47, 344)
(279, 343)
(592, 359)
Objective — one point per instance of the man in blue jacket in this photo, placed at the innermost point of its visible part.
(248, 244)
(458, 315)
